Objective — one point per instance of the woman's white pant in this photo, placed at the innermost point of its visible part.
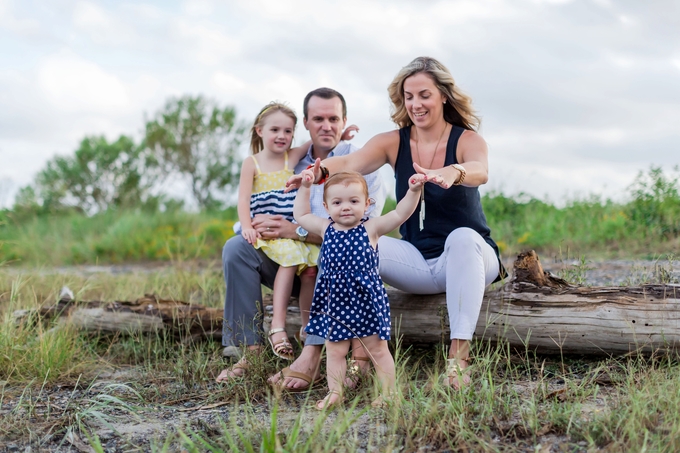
(467, 266)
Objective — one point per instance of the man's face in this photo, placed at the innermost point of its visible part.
(324, 122)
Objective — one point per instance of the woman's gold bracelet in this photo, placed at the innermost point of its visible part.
(462, 171)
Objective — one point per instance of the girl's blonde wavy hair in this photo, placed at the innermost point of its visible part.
(256, 144)
(458, 107)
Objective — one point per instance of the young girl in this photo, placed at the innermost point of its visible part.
(350, 299)
(261, 191)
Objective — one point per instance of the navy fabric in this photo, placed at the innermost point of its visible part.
(445, 209)
(273, 202)
(350, 300)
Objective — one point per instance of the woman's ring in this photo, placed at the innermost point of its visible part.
(269, 229)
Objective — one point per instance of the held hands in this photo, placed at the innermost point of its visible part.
(295, 181)
(417, 181)
(307, 178)
(348, 134)
(443, 177)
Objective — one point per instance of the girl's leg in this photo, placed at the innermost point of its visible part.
(383, 362)
(283, 286)
(336, 367)
(307, 282)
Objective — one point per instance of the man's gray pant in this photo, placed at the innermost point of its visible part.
(245, 270)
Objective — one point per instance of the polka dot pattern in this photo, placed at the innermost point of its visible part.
(350, 300)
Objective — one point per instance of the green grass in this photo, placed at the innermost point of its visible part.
(55, 383)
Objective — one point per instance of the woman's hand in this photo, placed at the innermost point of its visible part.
(295, 181)
(443, 177)
(348, 134)
(417, 181)
(250, 235)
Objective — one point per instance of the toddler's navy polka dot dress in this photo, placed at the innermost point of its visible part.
(350, 300)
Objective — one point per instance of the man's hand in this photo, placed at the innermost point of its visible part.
(348, 134)
(270, 226)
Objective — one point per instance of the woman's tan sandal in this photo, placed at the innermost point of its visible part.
(326, 403)
(282, 348)
(455, 376)
(354, 371)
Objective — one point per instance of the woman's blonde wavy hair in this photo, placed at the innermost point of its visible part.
(256, 143)
(458, 107)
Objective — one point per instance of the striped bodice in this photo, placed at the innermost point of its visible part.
(268, 196)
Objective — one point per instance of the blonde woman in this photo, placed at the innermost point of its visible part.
(446, 245)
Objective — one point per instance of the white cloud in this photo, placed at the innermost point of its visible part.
(74, 84)
(13, 24)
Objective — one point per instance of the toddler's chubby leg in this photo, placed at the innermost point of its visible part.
(336, 367)
(383, 362)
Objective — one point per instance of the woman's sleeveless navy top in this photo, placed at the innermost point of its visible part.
(445, 209)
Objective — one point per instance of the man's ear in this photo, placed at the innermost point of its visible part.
(304, 122)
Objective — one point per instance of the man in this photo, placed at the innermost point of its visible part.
(246, 268)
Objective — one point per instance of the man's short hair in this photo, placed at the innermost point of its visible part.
(324, 93)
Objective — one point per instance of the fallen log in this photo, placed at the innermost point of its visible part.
(534, 309)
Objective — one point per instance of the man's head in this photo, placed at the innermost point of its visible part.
(325, 115)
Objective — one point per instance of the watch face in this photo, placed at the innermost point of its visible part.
(301, 232)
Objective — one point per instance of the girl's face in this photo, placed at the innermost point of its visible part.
(277, 132)
(423, 100)
(346, 204)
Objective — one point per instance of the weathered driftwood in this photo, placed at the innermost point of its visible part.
(534, 309)
(149, 314)
(546, 313)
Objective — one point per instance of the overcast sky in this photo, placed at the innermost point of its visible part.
(576, 97)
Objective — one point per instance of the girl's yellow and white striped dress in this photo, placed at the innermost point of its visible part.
(269, 198)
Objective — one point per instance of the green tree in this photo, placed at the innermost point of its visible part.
(99, 176)
(195, 138)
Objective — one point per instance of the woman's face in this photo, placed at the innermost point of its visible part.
(423, 100)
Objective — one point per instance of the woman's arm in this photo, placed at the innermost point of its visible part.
(472, 154)
(379, 150)
(245, 190)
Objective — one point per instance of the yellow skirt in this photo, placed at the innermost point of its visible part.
(288, 252)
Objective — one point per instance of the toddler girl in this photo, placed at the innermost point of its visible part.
(350, 299)
(261, 191)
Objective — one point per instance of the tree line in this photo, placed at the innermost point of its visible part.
(191, 138)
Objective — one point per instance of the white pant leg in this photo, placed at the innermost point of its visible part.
(467, 266)
(402, 266)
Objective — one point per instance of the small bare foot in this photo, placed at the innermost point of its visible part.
(237, 370)
(334, 398)
(457, 374)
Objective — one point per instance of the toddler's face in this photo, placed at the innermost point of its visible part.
(346, 204)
